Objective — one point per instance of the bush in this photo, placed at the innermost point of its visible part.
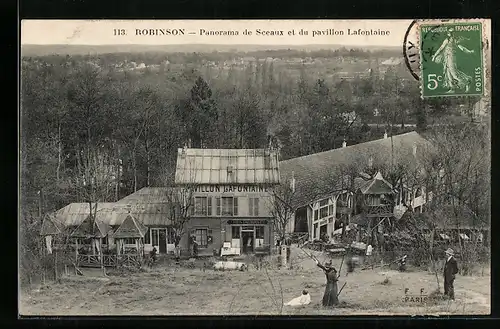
(471, 256)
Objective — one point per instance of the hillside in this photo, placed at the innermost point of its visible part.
(63, 49)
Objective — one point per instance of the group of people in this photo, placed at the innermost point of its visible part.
(330, 296)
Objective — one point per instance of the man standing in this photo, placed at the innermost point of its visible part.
(177, 240)
(450, 270)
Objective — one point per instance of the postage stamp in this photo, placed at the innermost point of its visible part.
(451, 57)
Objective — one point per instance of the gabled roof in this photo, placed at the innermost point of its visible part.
(84, 230)
(376, 185)
(227, 166)
(130, 228)
(316, 175)
(51, 226)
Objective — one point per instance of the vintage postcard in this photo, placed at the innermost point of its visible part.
(270, 167)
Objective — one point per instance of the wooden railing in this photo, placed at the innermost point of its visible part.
(108, 260)
(88, 261)
(381, 210)
(132, 260)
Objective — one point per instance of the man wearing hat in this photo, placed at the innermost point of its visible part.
(450, 270)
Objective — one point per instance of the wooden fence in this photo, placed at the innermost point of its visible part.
(134, 260)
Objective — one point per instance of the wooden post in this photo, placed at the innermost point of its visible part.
(55, 265)
(76, 253)
(283, 255)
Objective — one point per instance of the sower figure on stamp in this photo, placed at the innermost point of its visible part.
(446, 55)
(450, 270)
(330, 297)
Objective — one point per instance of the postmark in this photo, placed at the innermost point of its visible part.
(411, 53)
(451, 59)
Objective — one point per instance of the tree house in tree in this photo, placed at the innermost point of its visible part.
(374, 211)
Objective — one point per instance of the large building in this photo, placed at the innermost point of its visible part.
(325, 196)
(231, 196)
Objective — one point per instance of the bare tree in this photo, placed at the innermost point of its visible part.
(180, 200)
(282, 208)
(95, 181)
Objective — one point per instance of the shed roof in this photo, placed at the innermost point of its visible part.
(130, 228)
(227, 166)
(75, 213)
(316, 174)
(147, 213)
(150, 195)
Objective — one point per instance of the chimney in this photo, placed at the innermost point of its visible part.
(344, 144)
(292, 182)
(385, 134)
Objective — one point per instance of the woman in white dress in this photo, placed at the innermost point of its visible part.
(453, 78)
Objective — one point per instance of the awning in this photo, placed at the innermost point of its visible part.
(464, 236)
(444, 236)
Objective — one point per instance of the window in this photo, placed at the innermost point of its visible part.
(315, 228)
(253, 206)
(147, 237)
(156, 237)
(104, 241)
(228, 206)
(129, 241)
(323, 203)
(201, 237)
(203, 206)
(259, 232)
(316, 214)
(235, 232)
(323, 212)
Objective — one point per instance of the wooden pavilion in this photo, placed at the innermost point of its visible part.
(129, 239)
(92, 236)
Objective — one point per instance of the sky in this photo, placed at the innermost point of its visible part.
(102, 32)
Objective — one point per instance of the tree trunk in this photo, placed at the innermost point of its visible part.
(118, 175)
(134, 164)
(148, 160)
(59, 151)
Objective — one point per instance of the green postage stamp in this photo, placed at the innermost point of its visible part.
(451, 59)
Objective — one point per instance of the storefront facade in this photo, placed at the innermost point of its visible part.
(232, 198)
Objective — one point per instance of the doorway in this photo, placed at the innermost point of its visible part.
(159, 239)
(247, 239)
(163, 241)
(323, 231)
